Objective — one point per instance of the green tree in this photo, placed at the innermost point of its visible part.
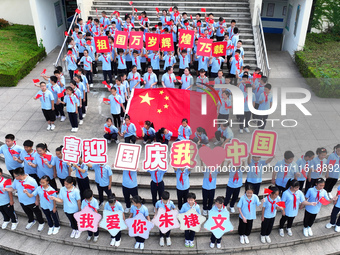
(327, 11)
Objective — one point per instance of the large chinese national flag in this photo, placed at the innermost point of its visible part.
(167, 107)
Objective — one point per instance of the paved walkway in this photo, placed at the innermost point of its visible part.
(21, 115)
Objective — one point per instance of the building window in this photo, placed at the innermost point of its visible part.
(297, 19)
(58, 13)
(284, 10)
(289, 16)
(270, 10)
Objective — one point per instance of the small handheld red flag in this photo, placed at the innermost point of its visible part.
(66, 33)
(130, 3)
(281, 204)
(324, 201)
(38, 96)
(139, 17)
(76, 71)
(29, 158)
(157, 10)
(36, 80)
(141, 123)
(7, 182)
(44, 71)
(107, 85)
(60, 95)
(338, 192)
(78, 11)
(170, 9)
(106, 128)
(190, 16)
(178, 78)
(27, 186)
(136, 10)
(106, 100)
(267, 191)
(48, 157)
(203, 10)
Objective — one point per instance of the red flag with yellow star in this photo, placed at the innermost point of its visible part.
(167, 107)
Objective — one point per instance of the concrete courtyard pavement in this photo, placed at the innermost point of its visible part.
(22, 116)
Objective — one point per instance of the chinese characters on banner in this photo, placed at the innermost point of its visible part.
(113, 222)
(166, 221)
(166, 42)
(102, 44)
(218, 223)
(71, 150)
(236, 151)
(139, 226)
(156, 157)
(191, 220)
(185, 38)
(204, 47)
(87, 219)
(121, 40)
(219, 49)
(151, 41)
(136, 40)
(93, 150)
(127, 157)
(183, 154)
(263, 143)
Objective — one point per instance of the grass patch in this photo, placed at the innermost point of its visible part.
(19, 53)
(319, 63)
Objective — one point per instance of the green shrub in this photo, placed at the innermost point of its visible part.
(3, 23)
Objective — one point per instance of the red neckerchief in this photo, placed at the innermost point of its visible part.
(285, 171)
(256, 167)
(272, 203)
(249, 202)
(0, 182)
(236, 177)
(294, 206)
(101, 171)
(181, 178)
(61, 165)
(156, 177)
(130, 175)
(89, 205)
(81, 176)
(266, 97)
(68, 195)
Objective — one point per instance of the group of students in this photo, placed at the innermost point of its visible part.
(31, 166)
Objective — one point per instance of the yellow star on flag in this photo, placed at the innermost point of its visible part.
(159, 110)
(166, 98)
(161, 92)
(166, 106)
(146, 98)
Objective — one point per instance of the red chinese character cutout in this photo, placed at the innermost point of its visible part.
(236, 150)
(95, 151)
(71, 150)
(156, 157)
(183, 154)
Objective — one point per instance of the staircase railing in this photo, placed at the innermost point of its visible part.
(260, 46)
(58, 61)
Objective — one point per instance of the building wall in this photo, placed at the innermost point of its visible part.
(16, 11)
(45, 23)
(254, 5)
(275, 23)
(85, 7)
(291, 42)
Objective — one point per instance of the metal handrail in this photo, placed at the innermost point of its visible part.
(68, 32)
(261, 46)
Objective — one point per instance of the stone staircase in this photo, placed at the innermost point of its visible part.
(238, 10)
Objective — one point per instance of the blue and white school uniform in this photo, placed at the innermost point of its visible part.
(254, 175)
(292, 209)
(118, 22)
(106, 60)
(115, 104)
(233, 186)
(93, 203)
(149, 133)
(216, 64)
(267, 100)
(130, 130)
(233, 68)
(200, 81)
(113, 129)
(71, 102)
(149, 79)
(203, 63)
(281, 178)
(142, 210)
(202, 138)
(208, 188)
(61, 167)
(45, 99)
(154, 60)
(165, 138)
(182, 178)
(226, 133)
(224, 107)
(186, 81)
(243, 204)
(184, 133)
(317, 166)
(314, 195)
(333, 161)
(71, 62)
(186, 207)
(335, 211)
(183, 61)
(121, 58)
(301, 164)
(70, 199)
(169, 61)
(121, 91)
(169, 80)
(19, 186)
(135, 79)
(9, 153)
(42, 168)
(270, 209)
(102, 174)
(234, 39)
(117, 207)
(24, 156)
(87, 61)
(168, 206)
(136, 61)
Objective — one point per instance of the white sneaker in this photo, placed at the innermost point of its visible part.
(232, 209)
(337, 229)
(95, 239)
(88, 239)
(144, 142)
(78, 233)
(52, 127)
(117, 141)
(330, 195)
(241, 131)
(263, 239)
(247, 130)
(63, 118)
(289, 230)
(242, 239)
(127, 210)
(168, 241)
(141, 246)
(41, 227)
(29, 225)
(205, 212)
(310, 232)
(161, 241)
(246, 239)
(96, 75)
(217, 143)
(48, 127)
(73, 233)
(75, 130)
(329, 225)
(136, 245)
(113, 242)
(108, 141)
(191, 244)
(84, 115)
(50, 231)
(5, 224)
(57, 117)
(14, 226)
(305, 232)
(218, 245)
(55, 230)
(268, 239)
(282, 234)
(81, 122)
(91, 85)
(186, 243)
(72, 130)
(212, 245)
(117, 243)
